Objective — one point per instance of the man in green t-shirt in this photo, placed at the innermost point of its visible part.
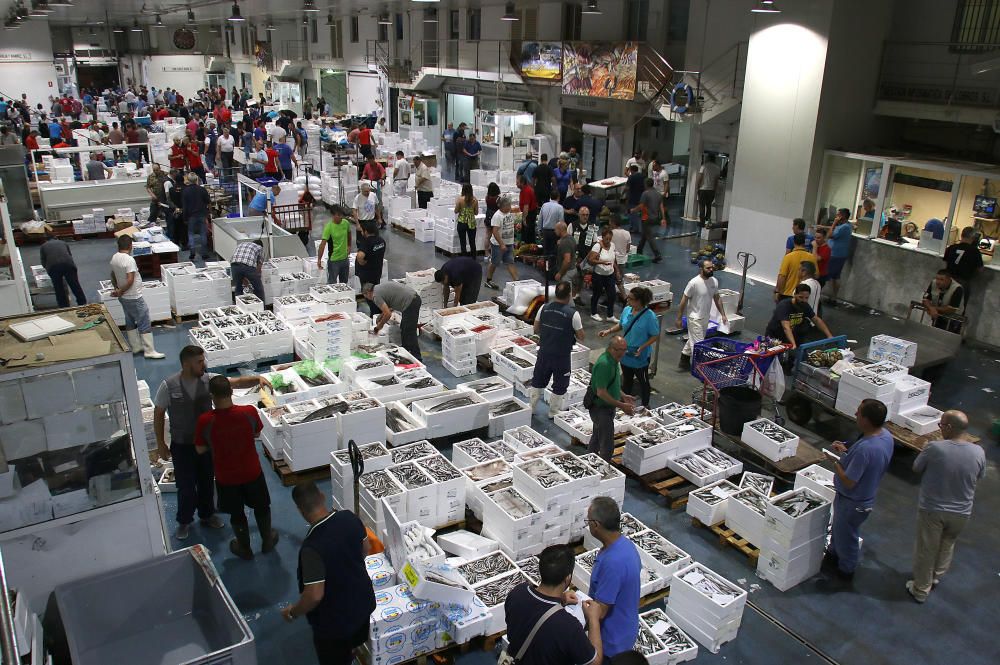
(337, 242)
(606, 382)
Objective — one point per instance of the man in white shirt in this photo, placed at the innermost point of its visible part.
(400, 174)
(501, 242)
(807, 276)
(365, 206)
(550, 215)
(423, 184)
(128, 290)
(708, 179)
(699, 294)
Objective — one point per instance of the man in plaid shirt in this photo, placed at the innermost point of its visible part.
(245, 265)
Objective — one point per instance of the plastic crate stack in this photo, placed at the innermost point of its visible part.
(706, 606)
(458, 346)
(794, 540)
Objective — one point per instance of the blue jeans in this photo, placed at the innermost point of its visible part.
(136, 314)
(198, 233)
(63, 274)
(848, 516)
(337, 271)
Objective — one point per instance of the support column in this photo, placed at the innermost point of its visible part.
(786, 64)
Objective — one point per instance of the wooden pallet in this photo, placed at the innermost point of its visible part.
(403, 229)
(729, 538)
(652, 598)
(186, 318)
(291, 478)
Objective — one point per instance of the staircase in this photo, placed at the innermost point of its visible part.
(717, 89)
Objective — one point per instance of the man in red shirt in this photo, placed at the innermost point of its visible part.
(365, 141)
(161, 113)
(192, 152)
(528, 205)
(271, 168)
(223, 115)
(228, 433)
(177, 159)
(821, 248)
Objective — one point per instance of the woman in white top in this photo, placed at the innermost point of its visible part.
(606, 273)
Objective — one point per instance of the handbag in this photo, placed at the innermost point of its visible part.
(505, 658)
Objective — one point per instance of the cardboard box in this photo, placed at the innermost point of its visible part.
(422, 578)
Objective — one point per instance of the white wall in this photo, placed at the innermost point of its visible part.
(185, 73)
(26, 63)
(781, 102)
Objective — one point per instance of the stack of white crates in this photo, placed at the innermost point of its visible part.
(794, 537)
(858, 385)
(706, 606)
(650, 448)
(661, 641)
(458, 346)
(708, 504)
(157, 297)
(376, 457)
(336, 297)
(330, 335)
(192, 289)
(745, 514)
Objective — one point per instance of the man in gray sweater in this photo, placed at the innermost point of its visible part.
(951, 468)
(58, 262)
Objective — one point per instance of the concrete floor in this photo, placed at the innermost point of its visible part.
(810, 622)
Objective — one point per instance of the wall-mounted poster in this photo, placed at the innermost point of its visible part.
(600, 69)
(873, 176)
(541, 60)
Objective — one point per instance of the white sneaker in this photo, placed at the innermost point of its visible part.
(613, 318)
(596, 317)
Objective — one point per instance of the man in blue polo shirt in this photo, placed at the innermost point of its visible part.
(858, 474)
(840, 247)
(615, 580)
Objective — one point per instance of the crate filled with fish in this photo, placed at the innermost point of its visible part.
(513, 363)
(798, 514)
(507, 337)
(476, 491)
(292, 307)
(451, 490)
(248, 302)
(818, 479)
(309, 437)
(576, 422)
(493, 593)
(334, 294)
(659, 554)
(374, 487)
(354, 368)
(412, 451)
(376, 458)
(399, 357)
(611, 481)
(471, 452)
(745, 513)
(401, 426)
(652, 649)
(419, 493)
(524, 438)
(364, 420)
(452, 412)
(318, 380)
(486, 567)
(706, 606)
(529, 568)
(286, 386)
(542, 483)
(584, 566)
(681, 412)
(678, 647)
(216, 351)
(584, 480)
(507, 414)
(728, 464)
(514, 521)
(492, 389)
(708, 504)
(761, 482)
(418, 384)
(770, 439)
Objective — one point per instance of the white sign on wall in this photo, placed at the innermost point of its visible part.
(9, 56)
(179, 68)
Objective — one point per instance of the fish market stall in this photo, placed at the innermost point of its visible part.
(230, 231)
(75, 473)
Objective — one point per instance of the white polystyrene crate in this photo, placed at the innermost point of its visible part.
(511, 369)
(708, 504)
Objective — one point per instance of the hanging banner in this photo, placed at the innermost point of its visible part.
(606, 70)
(541, 60)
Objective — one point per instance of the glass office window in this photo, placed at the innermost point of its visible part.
(916, 200)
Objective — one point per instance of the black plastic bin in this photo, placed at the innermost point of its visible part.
(738, 405)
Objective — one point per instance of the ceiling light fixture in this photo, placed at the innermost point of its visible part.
(60, 3)
(270, 27)
(383, 19)
(135, 26)
(305, 19)
(118, 29)
(765, 7)
(430, 16)
(309, 6)
(591, 8)
(159, 22)
(510, 13)
(236, 16)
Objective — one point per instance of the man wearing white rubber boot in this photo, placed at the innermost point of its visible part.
(558, 325)
(128, 290)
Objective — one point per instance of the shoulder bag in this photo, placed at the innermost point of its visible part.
(505, 658)
(590, 395)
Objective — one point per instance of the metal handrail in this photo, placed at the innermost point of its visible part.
(8, 639)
